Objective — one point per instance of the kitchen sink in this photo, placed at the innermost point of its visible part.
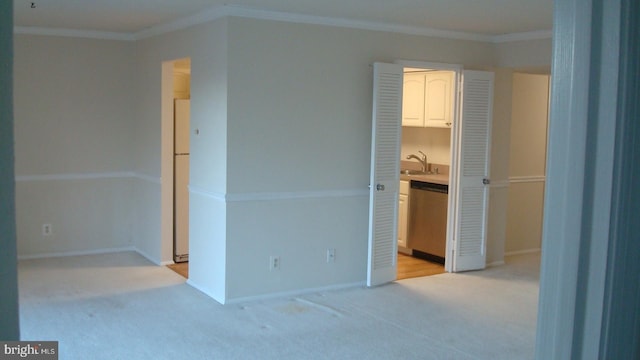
(414, 172)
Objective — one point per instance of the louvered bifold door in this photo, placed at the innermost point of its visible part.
(385, 173)
(473, 184)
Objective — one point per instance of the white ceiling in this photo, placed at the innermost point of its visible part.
(482, 17)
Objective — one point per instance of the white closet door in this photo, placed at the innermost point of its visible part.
(473, 189)
(385, 173)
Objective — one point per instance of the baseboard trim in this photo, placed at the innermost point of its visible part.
(76, 253)
(522, 252)
(495, 263)
(204, 291)
(94, 252)
(150, 258)
(284, 294)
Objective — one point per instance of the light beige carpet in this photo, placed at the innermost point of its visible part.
(120, 306)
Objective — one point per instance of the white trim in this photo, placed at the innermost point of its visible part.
(273, 196)
(247, 12)
(88, 176)
(74, 176)
(77, 253)
(150, 258)
(293, 293)
(151, 179)
(523, 36)
(238, 197)
(429, 65)
(527, 179)
(214, 13)
(219, 12)
(205, 291)
(522, 252)
(88, 34)
(498, 184)
(206, 193)
(495, 263)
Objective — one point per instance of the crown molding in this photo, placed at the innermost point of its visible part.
(89, 34)
(219, 12)
(214, 13)
(354, 24)
(524, 36)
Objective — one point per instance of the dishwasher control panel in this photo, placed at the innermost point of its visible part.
(423, 185)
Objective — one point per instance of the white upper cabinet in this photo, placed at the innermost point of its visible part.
(427, 99)
(413, 99)
(437, 105)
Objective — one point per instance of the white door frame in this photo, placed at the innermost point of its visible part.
(166, 164)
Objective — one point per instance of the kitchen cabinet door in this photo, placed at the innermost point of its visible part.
(437, 103)
(413, 99)
(403, 213)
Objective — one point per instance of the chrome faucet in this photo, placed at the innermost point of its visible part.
(422, 159)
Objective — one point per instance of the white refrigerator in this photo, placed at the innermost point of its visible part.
(181, 181)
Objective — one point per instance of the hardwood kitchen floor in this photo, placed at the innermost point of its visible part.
(181, 268)
(411, 267)
(408, 267)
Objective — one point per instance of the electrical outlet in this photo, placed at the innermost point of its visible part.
(274, 263)
(46, 229)
(331, 255)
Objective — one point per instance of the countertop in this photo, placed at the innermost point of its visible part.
(442, 179)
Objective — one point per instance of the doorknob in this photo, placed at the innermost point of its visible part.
(380, 187)
(486, 181)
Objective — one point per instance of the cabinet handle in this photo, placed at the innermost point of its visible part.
(448, 124)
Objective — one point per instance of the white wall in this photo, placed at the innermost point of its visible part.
(500, 147)
(280, 167)
(530, 55)
(206, 46)
(527, 162)
(74, 114)
(299, 147)
(435, 142)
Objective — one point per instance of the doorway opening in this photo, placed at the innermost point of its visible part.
(528, 97)
(428, 115)
(177, 106)
(527, 162)
(466, 185)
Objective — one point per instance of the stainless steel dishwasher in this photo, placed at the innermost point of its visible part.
(428, 220)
